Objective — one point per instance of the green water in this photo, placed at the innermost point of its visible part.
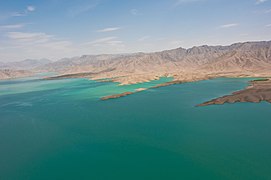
(61, 130)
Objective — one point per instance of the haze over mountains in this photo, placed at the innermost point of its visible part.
(202, 62)
(27, 64)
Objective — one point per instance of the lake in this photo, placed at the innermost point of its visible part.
(60, 129)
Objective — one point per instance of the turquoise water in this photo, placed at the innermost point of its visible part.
(61, 130)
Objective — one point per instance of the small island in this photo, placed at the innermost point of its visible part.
(115, 96)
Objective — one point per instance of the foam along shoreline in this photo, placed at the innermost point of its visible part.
(257, 91)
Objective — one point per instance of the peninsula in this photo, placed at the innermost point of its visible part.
(259, 90)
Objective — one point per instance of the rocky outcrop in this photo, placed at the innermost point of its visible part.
(259, 90)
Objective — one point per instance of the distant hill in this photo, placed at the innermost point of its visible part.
(68, 64)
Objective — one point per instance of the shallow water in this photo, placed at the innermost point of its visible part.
(61, 130)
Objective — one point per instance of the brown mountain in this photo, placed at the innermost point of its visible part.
(10, 74)
(240, 59)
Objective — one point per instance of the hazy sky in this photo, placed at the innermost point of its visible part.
(64, 28)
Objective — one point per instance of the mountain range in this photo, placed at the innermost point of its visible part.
(202, 62)
(196, 63)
